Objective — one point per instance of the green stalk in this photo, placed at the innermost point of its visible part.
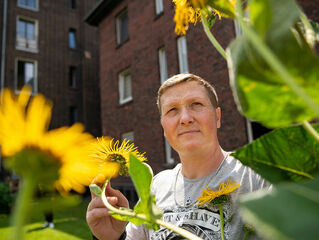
(311, 130)
(211, 37)
(273, 61)
(246, 235)
(221, 220)
(186, 234)
(22, 205)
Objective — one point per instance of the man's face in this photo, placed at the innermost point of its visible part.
(188, 118)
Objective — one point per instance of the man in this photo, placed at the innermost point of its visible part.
(190, 117)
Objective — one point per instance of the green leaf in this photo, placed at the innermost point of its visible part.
(260, 13)
(260, 93)
(292, 211)
(286, 154)
(224, 7)
(96, 190)
(142, 177)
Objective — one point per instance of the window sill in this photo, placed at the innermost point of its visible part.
(36, 9)
(158, 15)
(125, 101)
(122, 43)
(32, 50)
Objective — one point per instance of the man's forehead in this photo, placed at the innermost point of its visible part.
(185, 90)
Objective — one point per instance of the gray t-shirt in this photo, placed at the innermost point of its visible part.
(176, 196)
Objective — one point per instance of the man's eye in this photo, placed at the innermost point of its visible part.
(197, 104)
(171, 110)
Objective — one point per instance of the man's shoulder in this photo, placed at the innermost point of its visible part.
(167, 174)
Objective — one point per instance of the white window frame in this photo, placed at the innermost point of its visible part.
(162, 64)
(119, 27)
(159, 7)
(182, 54)
(128, 136)
(35, 84)
(122, 80)
(27, 44)
(36, 8)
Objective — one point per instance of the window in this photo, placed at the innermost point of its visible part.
(31, 4)
(26, 74)
(182, 54)
(74, 115)
(72, 38)
(72, 4)
(159, 7)
(26, 34)
(125, 87)
(168, 153)
(122, 27)
(162, 64)
(129, 136)
(73, 81)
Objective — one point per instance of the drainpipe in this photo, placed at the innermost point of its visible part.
(3, 53)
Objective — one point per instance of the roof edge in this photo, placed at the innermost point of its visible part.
(100, 10)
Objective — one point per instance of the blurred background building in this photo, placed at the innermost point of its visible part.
(47, 44)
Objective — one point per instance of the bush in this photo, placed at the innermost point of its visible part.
(6, 198)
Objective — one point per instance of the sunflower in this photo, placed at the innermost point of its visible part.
(185, 14)
(106, 150)
(210, 196)
(24, 131)
(190, 11)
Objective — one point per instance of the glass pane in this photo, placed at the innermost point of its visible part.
(20, 75)
(127, 87)
(22, 2)
(29, 73)
(31, 3)
(72, 39)
(182, 54)
(124, 28)
(21, 29)
(162, 64)
(30, 31)
(159, 6)
(72, 77)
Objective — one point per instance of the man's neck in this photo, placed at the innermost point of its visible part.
(198, 165)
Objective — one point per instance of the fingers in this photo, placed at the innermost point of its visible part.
(120, 200)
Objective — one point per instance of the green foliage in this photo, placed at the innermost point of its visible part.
(259, 91)
(6, 198)
(292, 211)
(285, 154)
(224, 7)
(142, 176)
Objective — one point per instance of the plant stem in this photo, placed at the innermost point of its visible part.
(273, 61)
(22, 206)
(221, 220)
(211, 37)
(311, 130)
(246, 235)
(180, 231)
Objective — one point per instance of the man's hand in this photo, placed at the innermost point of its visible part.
(102, 225)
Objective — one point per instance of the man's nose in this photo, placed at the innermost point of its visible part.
(186, 116)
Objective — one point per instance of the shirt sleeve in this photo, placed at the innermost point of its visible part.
(134, 232)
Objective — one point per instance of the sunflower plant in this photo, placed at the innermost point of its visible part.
(273, 70)
(218, 197)
(43, 159)
(130, 162)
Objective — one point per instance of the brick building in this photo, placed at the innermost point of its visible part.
(138, 50)
(47, 44)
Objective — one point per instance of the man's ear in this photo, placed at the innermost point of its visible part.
(218, 117)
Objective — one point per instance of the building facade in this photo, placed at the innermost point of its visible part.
(47, 45)
(138, 51)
